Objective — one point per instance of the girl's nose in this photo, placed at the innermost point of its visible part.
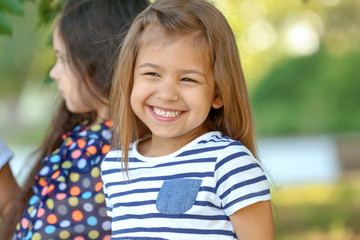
(53, 73)
(167, 91)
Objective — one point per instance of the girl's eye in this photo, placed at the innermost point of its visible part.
(152, 74)
(189, 80)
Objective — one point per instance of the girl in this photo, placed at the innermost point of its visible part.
(179, 95)
(66, 201)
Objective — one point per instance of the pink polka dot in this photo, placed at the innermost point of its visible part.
(76, 154)
(40, 212)
(79, 238)
(60, 196)
(24, 223)
(44, 191)
(107, 237)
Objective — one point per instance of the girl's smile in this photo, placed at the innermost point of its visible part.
(165, 114)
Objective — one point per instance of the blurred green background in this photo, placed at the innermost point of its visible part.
(301, 60)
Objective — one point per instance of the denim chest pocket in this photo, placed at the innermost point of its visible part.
(176, 196)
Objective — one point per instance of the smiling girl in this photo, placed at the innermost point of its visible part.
(188, 168)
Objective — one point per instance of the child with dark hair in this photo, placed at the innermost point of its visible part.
(66, 200)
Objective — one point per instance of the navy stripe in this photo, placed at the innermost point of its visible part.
(173, 216)
(162, 178)
(111, 171)
(175, 230)
(133, 204)
(242, 184)
(149, 202)
(207, 204)
(248, 196)
(207, 189)
(234, 172)
(200, 150)
(229, 158)
(214, 141)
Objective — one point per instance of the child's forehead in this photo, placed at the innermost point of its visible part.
(160, 37)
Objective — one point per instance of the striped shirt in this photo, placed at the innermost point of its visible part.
(188, 194)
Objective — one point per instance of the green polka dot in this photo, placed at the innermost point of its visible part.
(55, 167)
(99, 198)
(95, 172)
(73, 201)
(50, 204)
(96, 127)
(74, 177)
(94, 234)
(36, 236)
(66, 165)
(64, 234)
(30, 209)
(61, 179)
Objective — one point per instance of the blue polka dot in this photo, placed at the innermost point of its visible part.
(50, 229)
(92, 221)
(106, 134)
(33, 200)
(65, 224)
(81, 163)
(55, 159)
(44, 171)
(29, 235)
(86, 195)
(93, 136)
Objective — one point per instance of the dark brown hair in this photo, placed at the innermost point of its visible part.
(92, 31)
(167, 18)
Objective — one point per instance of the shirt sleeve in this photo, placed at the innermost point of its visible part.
(109, 206)
(5, 154)
(240, 180)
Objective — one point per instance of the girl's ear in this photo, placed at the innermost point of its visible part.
(217, 102)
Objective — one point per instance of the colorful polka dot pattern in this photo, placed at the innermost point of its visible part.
(68, 201)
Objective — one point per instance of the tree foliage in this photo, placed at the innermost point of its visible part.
(47, 11)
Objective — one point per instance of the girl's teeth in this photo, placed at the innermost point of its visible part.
(166, 113)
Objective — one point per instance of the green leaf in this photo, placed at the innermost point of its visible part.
(5, 27)
(11, 6)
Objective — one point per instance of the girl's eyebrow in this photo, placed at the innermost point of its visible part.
(183, 71)
(150, 65)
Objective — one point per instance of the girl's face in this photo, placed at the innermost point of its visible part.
(64, 76)
(171, 94)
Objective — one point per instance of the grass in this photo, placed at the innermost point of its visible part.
(318, 212)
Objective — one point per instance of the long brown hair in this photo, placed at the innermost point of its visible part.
(176, 18)
(92, 32)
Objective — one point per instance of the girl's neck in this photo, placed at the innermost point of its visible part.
(102, 114)
(157, 146)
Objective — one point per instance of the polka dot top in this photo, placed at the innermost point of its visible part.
(68, 201)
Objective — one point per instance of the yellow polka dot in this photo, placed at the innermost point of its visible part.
(96, 127)
(95, 172)
(18, 226)
(64, 234)
(61, 179)
(66, 165)
(74, 177)
(94, 234)
(55, 167)
(73, 201)
(30, 209)
(36, 236)
(99, 198)
(50, 204)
